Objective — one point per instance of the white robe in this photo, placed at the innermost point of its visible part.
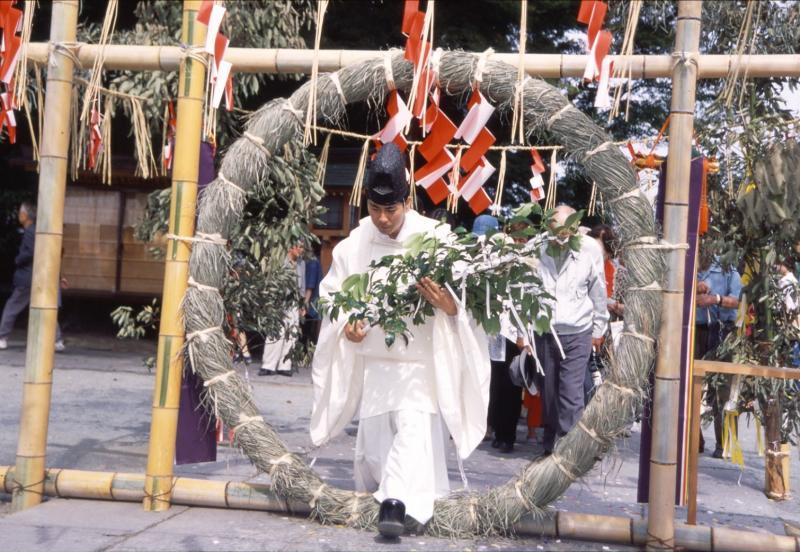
(453, 348)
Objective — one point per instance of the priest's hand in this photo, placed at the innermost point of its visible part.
(437, 296)
(355, 331)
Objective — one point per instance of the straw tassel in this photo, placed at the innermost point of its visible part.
(518, 117)
(323, 160)
(146, 164)
(501, 178)
(412, 183)
(355, 195)
(93, 88)
(310, 133)
(550, 201)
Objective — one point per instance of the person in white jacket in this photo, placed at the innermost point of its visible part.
(576, 282)
(400, 394)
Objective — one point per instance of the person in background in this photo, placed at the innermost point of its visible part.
(23, 277)
(576, 282)
(791, 297)
(312, 320)
(717, 301)
(275, 361)
(505, 398)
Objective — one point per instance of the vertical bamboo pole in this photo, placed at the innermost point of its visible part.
(38, 382)
(664, 451)
(169, 358)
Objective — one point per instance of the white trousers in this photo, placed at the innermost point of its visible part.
(401, 454)
(274, 357)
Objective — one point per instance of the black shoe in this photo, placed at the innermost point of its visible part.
(287, 373)
(265, 372)
(506, 448)
(717, 453)
(497, 443)
(391, 518)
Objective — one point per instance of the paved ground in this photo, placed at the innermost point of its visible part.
(100, 419)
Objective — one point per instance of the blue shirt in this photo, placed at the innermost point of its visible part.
(722, 283)
(313, 278)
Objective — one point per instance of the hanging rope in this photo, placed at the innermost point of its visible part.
(309, 135)
(355, 195)
(323, 160)
(501, 178)
(550, 200)
(733, 74)
(518, 119)
(93, 88)
(620, 69)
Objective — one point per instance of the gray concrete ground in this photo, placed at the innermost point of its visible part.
(100, 420)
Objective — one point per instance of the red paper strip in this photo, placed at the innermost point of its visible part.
(204, 13)
(434, 169)
(596, 22)
(585, 11)
(442, 131)
(604, 39)
(480, 202)
(410, 9)
(414, 41)
(438, 191)
(477, 150)
(538, 164)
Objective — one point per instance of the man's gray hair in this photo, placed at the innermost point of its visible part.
(561, 213)
(29, 208)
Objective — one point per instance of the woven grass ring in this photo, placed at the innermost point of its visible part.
(547, 113)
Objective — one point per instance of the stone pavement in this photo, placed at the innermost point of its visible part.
(100, 420)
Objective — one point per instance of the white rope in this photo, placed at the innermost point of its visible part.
(591, 433)
(559, 462)
(528, 506)
(638, 335)
(480, 66)
(202, 287)
(557, 115)
(387, 71)
(335, 80)
(200, 237)
(225, 180)
(653, 286)
(315, 496)
(244, 420)
(287, 106)
(286, 459)
(436, 63)
(632, 193)
(219, 378)
(202, 335)
(598, 149)
(657, 244)
(626, 390)
(258, 141)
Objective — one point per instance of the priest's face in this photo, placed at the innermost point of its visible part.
(388, 219)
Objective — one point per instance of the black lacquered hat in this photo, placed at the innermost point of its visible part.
(386, 182)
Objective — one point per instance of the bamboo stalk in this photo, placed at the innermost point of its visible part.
(664, 450)
(169, 358)
(129, 487)
(38, 379)
(282, 60)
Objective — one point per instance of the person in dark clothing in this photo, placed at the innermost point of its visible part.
(312, 319)
(23, 276)
(717, 302)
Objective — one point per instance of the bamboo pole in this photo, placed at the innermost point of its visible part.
(169, 358)
(43, 314)
(129, 487)
(664, 450)
(284, 60)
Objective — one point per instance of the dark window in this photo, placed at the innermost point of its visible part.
(333, 218)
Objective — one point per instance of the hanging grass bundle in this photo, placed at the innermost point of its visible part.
(547, 113)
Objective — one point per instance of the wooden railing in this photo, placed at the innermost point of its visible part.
(701, 368)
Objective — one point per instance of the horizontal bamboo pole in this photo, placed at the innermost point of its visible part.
(283, 60)
(128, 487)
(702, 367)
